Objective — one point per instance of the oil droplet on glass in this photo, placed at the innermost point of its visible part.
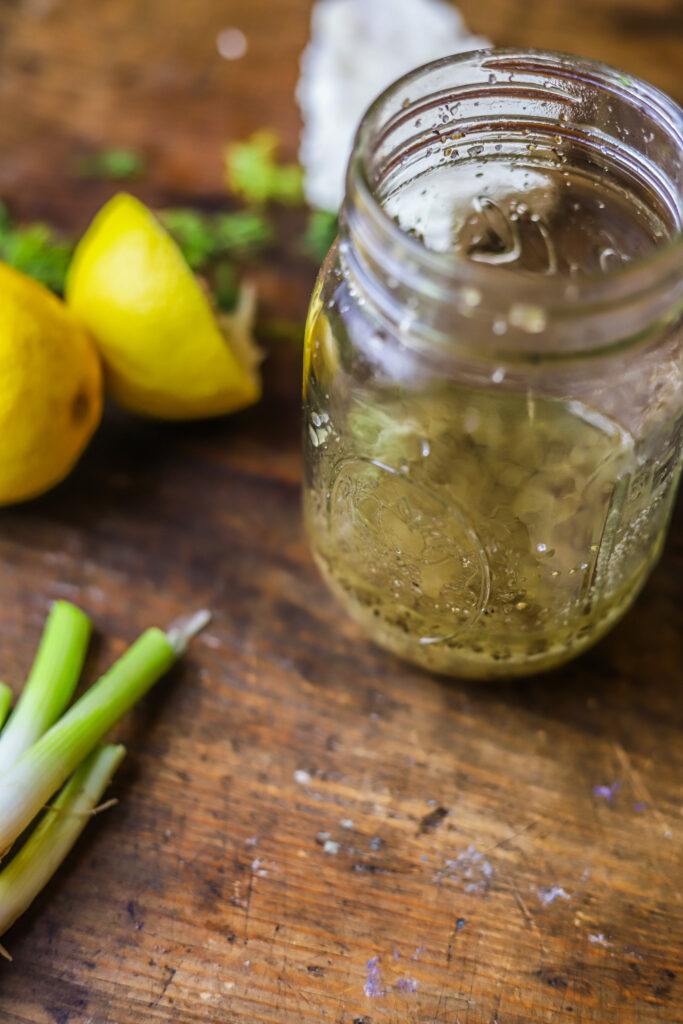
(531, 319)
(471, 297)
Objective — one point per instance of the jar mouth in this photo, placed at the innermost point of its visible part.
(553, 84)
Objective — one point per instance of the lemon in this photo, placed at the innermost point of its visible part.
(165, 352)
(50, 388)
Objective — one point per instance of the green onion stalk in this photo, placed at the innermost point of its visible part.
(5, 702)
(51, 683)
(40, 750)
(33, 866)
(42, 769)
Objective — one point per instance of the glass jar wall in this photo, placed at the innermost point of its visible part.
(493, 378)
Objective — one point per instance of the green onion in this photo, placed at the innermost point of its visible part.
(38, 859)
(5, 702)
(51, 683)
(44, 767)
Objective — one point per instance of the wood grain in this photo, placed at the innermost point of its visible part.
(295, 802)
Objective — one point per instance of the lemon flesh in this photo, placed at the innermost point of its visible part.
(165, 353)
(50, 388)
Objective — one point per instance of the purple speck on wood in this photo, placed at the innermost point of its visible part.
(407, 984)
(607, 792)
(548, 894)
(396, 954)
(373, 987)
(469, 867)
(639, 806)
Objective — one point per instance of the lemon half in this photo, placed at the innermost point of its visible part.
(50, 388)
(165, 352)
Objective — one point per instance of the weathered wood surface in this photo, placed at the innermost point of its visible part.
(465, 845)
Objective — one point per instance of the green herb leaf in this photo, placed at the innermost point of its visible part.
(194, 233)
(242, 232)
(115, 164)
(226, 286)
(35, 249)
(5, 222)
(253, 173)
(203, 237)
(321, 231)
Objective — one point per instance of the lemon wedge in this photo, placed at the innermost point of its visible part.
(165, 351)
(50, 388)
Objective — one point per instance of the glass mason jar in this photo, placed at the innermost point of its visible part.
(493, 380)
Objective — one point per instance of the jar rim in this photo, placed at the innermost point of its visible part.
(557, 295)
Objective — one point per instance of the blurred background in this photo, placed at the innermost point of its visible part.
(77, 75)
(171, 84)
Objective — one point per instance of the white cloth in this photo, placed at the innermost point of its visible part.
(358, 48)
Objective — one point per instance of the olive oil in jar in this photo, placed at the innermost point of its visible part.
(482, 533)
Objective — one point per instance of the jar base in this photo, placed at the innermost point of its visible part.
(465, 658)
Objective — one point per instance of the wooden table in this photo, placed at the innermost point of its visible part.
(295, 803)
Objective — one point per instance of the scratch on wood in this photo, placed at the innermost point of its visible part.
(247, 907)
(520, 831)
(524, 910)
(639, 787)
(641, 790)
(170, 975)
(438, 1008)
